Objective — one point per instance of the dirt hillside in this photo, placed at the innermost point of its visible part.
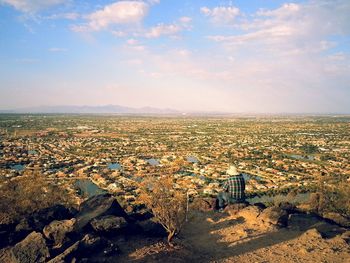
(220, 237)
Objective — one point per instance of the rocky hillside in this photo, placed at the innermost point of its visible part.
(101, 231)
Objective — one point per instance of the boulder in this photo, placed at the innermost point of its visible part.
(38, 220)
(67, 255)
(250, 213)
(274, 216)
(32, 249)
(109, 223)
(97, 206)
(233, 209)
(87, 246)
(57, 230)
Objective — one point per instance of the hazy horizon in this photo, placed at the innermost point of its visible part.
(192, 56)
(74, 109)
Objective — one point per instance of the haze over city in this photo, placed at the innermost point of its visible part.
(229, 56)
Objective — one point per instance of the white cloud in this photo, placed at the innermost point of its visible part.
(292, 28)
(162, 29)
(183, 23)
(132, 41)
(185, 19)
(57, 49)
(221, 14)
(118, 13)
(32, 6)
(69, 16)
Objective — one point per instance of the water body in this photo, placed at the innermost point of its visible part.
(192, 159)
(88, 188)
(18, 167)
(265, 199)
(301, 157)
(153, 162)
(114, 166)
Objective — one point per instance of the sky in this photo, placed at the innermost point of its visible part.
(243, 56)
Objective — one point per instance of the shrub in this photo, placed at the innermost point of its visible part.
(167, 204)
(24, 195)
(331, 197)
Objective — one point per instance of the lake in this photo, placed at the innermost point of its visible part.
(153, 162)
(18, 167)
(88, 188)
(192, 159)
(302, 157)
(114, 166)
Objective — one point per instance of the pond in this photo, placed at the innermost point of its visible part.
(302, 157)
(153, 162)
(114, 166)
(88, 188)
(297, 199)
(18, 167)
(192, 159)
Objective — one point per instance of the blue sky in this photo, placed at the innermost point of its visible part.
(232, 56)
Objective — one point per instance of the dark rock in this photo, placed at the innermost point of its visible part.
(233, 209)
(152, 228)
(260, 205)
(32, 249)
(38, 220)
(302, 222)
(288, 207)
(109, 223)
(67, 255)
(274, 216)
(23, 225)
(7, 232)
(87, 246)
(57, 230)
(95, 244)
(97, 206)
(140, 216)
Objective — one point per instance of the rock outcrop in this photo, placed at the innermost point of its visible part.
(274, 215)
(32, 249)
(108, 224)
(56, 231)
(98, 206)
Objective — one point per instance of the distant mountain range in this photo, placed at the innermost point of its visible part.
(116, 109)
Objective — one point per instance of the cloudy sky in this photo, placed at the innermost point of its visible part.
(235, 56)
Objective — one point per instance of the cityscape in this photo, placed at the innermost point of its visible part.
(116, 152)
